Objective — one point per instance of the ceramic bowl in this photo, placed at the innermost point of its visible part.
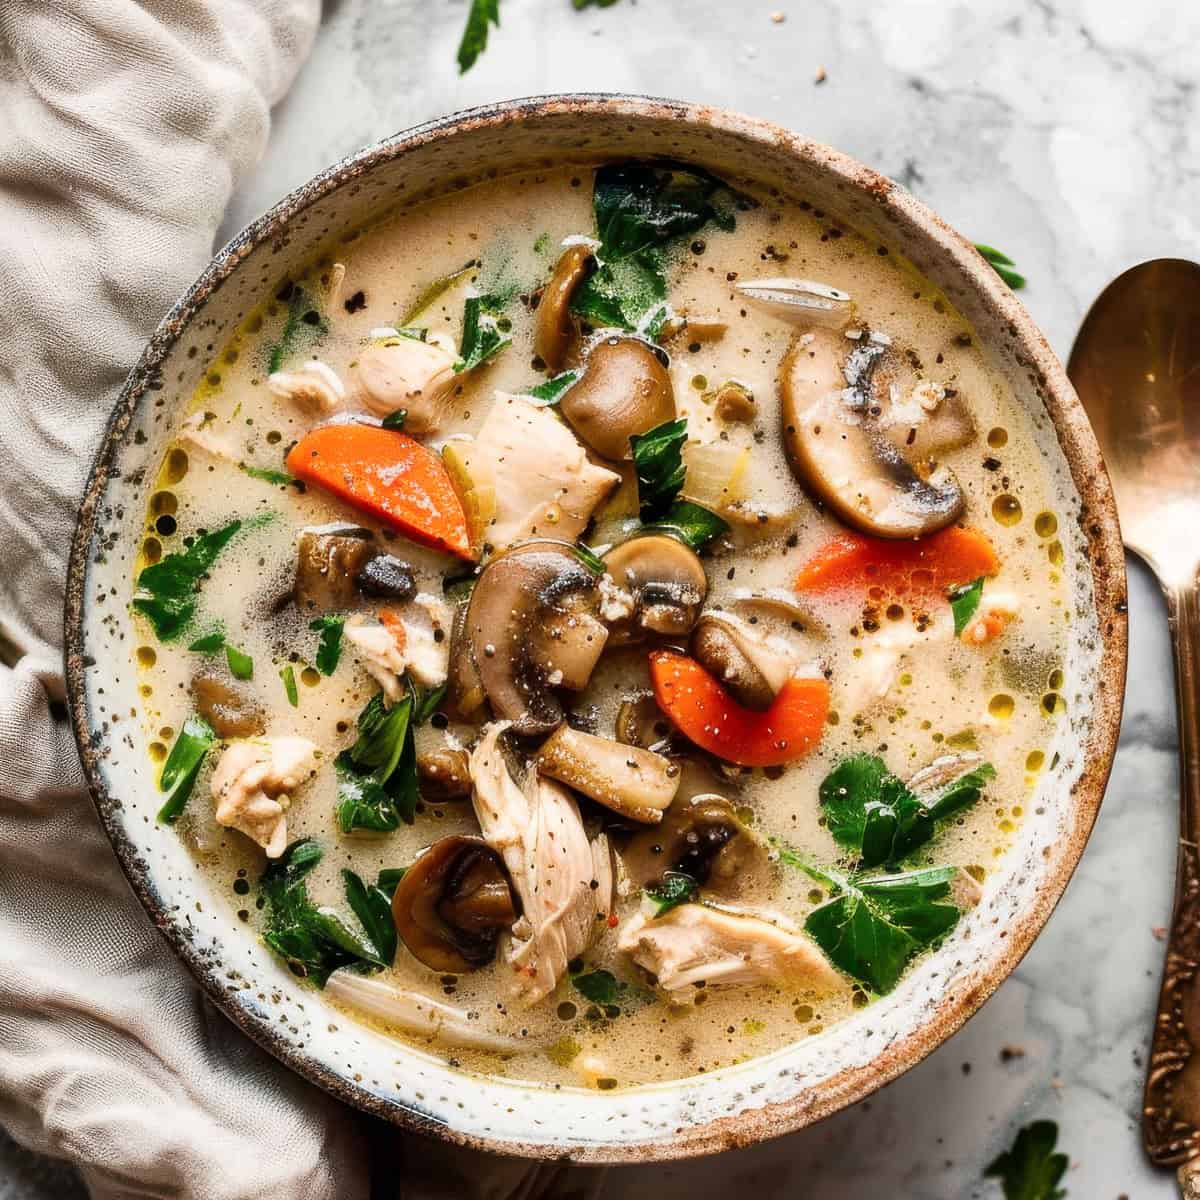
(741, 1104)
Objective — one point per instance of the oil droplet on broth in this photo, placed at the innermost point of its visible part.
(164, 503)
(152, 550)
(1056, 680)
(1053, 705)
(1054, 552)
(1045, 524)
(1006, 509)
(1001, 706)
(146, 656)
(997, 437)
(157, 751)
(1034, 760)
(310, 677)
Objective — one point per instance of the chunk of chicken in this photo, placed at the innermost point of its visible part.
(545, 484)
(415, 639)
(196, 435)
(565, 881)
(995, 613)
(381, 653)
(698, 943)
(314, 387)
(253, 786)
(404, 373)
(872, 676)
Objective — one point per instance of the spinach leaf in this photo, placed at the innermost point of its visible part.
(183, 764)
(241, 665)
(425, 704)
(1002, 265)
(676, 888)
(1031, 1170)
(389, 880)
(377, 776)
(551, 390)
(964, 600)
(373, 907)
(481, 337)
(589, 558)
(475, 34)
(600, 987)
(288, 675)
(266, 474)
(166, 590)
(878, 817)
(210, 643)
(432, 291)
(329, 649)
(395, 420)
(658, 461)
(314, 941)
(872, 927)
(303, 323)
(692, 524)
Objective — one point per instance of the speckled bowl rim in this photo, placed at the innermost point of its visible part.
(1105, 552)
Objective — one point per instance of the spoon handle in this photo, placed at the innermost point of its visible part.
(1171, 1106)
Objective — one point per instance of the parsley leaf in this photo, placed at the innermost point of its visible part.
(395, 420)
(329, 648)
(1002, 265)
(377, 776)
(692, 524)
(373, 907)
(432, 291)
(210, 643)
(589, 558)
(425, 703)
(266, 474)
(551, 391)
(389, 880)
(314, 941)
(964, 601)
(183, 764)
(878, 817)
(675, 888)
(481, 337)
(658, 461)
(475, 33)
(1031, 1170)
(288, 675)
(241, 665)
(166, 590)
(302, 323)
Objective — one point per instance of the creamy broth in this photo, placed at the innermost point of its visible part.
(901, 685)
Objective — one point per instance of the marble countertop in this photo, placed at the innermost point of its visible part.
(1066, 132)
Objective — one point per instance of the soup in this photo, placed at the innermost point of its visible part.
(601, 626)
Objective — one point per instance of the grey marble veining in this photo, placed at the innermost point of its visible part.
(1066, 133)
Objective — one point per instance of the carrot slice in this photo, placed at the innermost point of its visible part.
(926, 566)
(706, 713)
(387, 474)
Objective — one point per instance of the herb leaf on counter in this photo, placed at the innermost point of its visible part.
(658, 460)
(1031, 1170)
(329, 648)
(676, 888)
(964, 602)
(166, 590)
(314, 941)
(481, 336)
(1002, 265)
(475, 33)
(377, 776)
(183, 764)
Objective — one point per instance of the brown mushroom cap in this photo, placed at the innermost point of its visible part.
(836, 444)
(625, 389)
(518, 594)
(667, 582)
(328, 561)
(721, 650)
(444, 774)
(552, 326)
(750, 648)
(231, 712)
(453, 903)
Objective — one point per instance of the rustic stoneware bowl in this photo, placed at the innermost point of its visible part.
(758, 1099)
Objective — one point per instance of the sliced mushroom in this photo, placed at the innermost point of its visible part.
(553, 326)
(700, 836)
(568, 645)
(444, 775)
(752, 662)
(640, 722)
(625, 389)
(518, 595)
(635, 783)
(799, 299)
(453, 903)
(667, 582)
(465, 688)
(734, 401)
(831, 423)
(405, 373)
(328, 561)
(229, 710)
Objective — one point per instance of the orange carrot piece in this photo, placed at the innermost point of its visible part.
(386, 473)
(925, 566)
(706, 713)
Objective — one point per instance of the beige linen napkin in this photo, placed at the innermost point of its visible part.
(123, 128)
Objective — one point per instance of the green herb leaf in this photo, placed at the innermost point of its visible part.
(1002, 265)
(581, 4)
(166, 590)
(314, 941)
(395, 420)
(210, 643)
(1031, 1170)
(241, 665)
(373, 907)
(551, 391)
(303, 323)
(266, 474)
(964, 601)
(427, 703)
(288, 675)
(362, 802)
(377, 776)
(589, 558)
(389, 880)
(676, 888)
(458, 587)
(481, 338)
(658, 460)
(692, 524)
(600, 987)
(436, 289)
(183, 764)
(879, 818)
(475, 33)
(329, 648)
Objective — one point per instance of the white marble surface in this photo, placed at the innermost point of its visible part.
(1064, 131)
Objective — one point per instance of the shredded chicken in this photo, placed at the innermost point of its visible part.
(565, 881)
(995, 613)
(545, 484)
(427, 622)
(699, 943)
(415, 639)
(404, 373)
(314, 387)
(195, 435)
(869, 678)
(381, 652)
(253, 786)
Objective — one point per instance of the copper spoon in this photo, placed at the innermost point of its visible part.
(1136, 367)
